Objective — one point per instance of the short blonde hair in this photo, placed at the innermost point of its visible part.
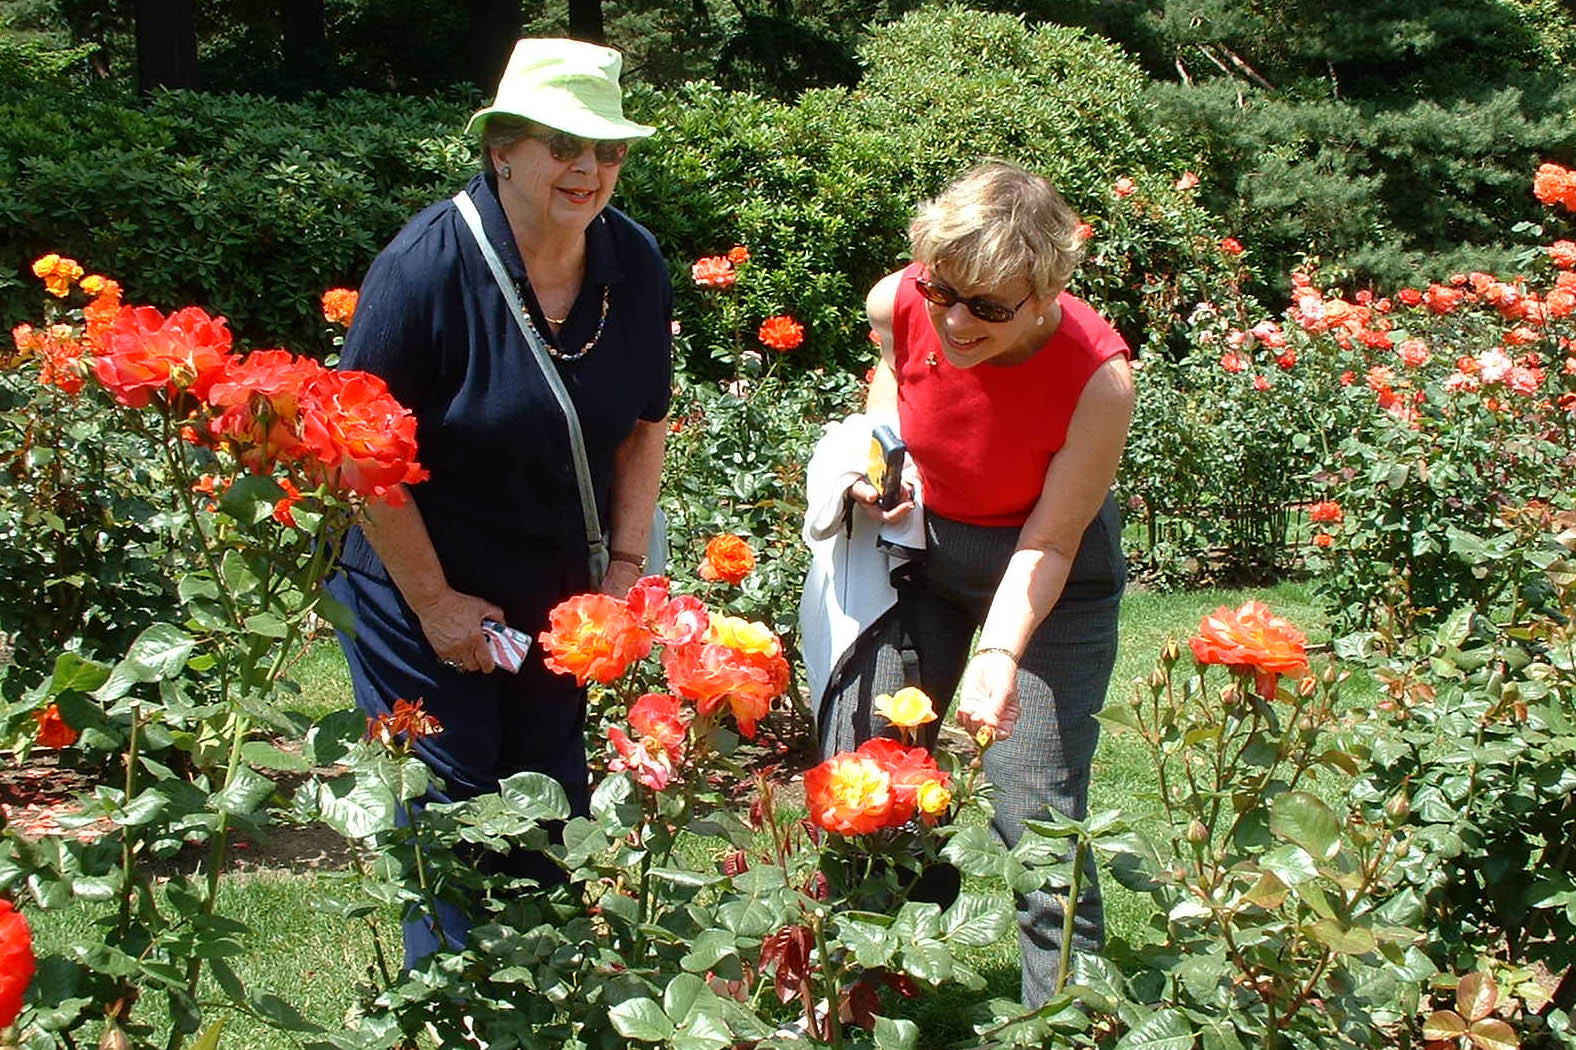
(995, 223)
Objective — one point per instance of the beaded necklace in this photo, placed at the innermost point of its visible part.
(552, 350)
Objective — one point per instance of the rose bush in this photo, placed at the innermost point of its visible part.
(260, 463)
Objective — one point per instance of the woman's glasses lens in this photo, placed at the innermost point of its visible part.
(564, 146)
(984, 309)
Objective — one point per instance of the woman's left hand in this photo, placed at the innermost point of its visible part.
(619, 578)
(990, 694)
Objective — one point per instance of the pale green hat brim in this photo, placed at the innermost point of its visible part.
(571, 118)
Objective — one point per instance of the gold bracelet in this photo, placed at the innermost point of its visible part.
(637, 560)
(1008, 653)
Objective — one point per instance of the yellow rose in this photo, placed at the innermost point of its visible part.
(747, 636)
(907, 708)
(58, 273)
(933, 798)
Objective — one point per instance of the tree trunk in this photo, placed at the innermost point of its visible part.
(585, 20)
(305, 43)
(493, 27)
(166, 44)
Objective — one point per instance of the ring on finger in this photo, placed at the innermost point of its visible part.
(454, 665)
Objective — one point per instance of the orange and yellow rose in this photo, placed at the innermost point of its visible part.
(728, 558)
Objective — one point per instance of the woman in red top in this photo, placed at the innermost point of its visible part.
(1014, 399)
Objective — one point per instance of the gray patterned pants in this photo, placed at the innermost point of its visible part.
(1062, 681)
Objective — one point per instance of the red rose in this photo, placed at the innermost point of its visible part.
(52, 728)
(360, 439)
(16, 962)
(146, 352)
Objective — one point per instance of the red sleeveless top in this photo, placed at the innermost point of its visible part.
(982, 438)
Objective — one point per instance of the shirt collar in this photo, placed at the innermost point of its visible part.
(601, 256)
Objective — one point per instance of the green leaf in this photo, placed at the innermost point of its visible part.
(1347, 940)
(871, 942)
(266, 625)
(928, 960)
(331, 738)
(976, 919)
(1161, 1030)
(261, 753)
(75, 674)
(641, 1019)
(535, 795)
(1304, 819)
(237, 575)
(901, 1034)
(710, 948)
(282, 1015)
(974, 852)
(161, 650)
(355, 810)
(1268, 893)
(681, 994)
(209, 1040)
(245, 792)
(917, 920)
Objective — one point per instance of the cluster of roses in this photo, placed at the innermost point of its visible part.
(710, 660)
(780, 331)
(1252, 640)
(1325, 512)
(883, 784)
(268, 409)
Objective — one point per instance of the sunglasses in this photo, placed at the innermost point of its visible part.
(564, 146)
(987, 310)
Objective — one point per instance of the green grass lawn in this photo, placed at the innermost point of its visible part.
(314, 961)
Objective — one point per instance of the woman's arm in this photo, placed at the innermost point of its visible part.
(1076, 484)
(637, 480)
(451, 621)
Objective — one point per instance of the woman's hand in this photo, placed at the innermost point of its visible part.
(452, 623)
(865, 494)
(990, 694)
(619, 577)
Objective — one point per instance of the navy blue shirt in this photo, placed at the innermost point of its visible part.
(502, 505)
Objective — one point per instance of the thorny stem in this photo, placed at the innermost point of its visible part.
(427, 896)
(126, 844)
(834, 1025)
(1070, 914)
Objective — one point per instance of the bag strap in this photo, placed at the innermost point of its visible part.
(593, 526)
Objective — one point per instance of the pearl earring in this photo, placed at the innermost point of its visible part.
(505, 171)
(1040, 320)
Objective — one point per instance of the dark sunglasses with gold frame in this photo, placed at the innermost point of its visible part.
(985, 309)
(564, 146)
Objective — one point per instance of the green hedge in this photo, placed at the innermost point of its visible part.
(253, 206)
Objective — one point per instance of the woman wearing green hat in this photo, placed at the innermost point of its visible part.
(507, 319)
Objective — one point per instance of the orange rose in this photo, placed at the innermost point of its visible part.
(100, 314)
(58, 274)
(738, 255)
(849, 794)
(1251, 638)
(1326, 510)
(52, 728)
(712, 674)
(339, 305)
(593, 637)
(781, 332)
(714, 271)
(910, 768)
(728, 558)
(1562, 254)
(260, 401)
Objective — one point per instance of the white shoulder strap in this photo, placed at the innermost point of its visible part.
(594, 543)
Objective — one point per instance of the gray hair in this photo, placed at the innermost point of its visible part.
(995, 223)
(501, 131)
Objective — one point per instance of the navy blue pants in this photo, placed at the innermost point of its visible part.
(494, 725)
